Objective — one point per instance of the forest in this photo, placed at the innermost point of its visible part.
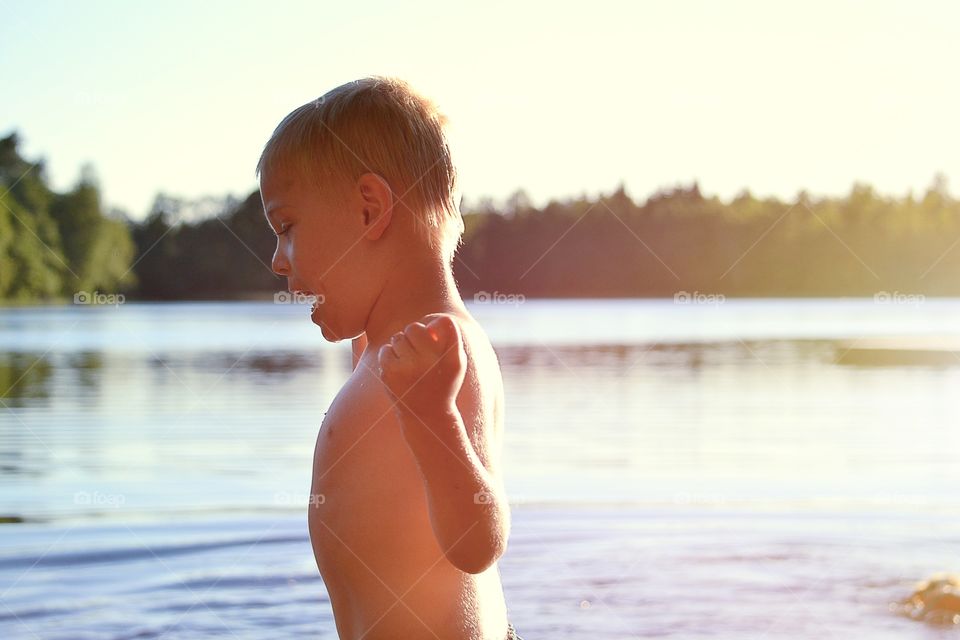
(56, 245)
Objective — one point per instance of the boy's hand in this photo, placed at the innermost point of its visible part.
(424, 365)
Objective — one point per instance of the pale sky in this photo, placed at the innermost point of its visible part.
(553, 98)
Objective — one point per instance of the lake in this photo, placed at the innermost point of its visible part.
(676, 470)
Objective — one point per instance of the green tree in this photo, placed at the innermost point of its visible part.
(53, 245)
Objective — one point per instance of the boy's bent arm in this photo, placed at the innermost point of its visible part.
(468, 509)
(424, 368)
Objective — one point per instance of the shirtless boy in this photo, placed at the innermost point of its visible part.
(408, 514)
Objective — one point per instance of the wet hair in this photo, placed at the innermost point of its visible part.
(381, 125)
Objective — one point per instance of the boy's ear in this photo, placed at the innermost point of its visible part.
(376, 205)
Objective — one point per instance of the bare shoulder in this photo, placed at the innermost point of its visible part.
(480, 399)
(480, 353)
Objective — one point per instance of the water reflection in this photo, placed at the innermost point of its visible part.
(280, 363)
(676, 355)
(86, 366)
(225, 425)
(24, 375)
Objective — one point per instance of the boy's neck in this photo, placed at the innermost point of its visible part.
(411, 291)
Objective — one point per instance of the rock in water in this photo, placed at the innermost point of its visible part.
(936, 600)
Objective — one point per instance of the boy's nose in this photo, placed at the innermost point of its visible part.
(279, 263)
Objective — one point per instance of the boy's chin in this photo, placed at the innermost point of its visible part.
(329, 334)
(324, 327)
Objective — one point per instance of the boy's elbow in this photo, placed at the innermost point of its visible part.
(477, 559)
(483, 543)
(476, 555)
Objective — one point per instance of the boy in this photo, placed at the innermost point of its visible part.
(407, 514)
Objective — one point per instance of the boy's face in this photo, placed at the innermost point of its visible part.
(320, 250)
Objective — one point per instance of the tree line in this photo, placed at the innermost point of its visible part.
(53, 245)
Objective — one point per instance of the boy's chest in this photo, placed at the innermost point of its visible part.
(367, 494)
(360, 455)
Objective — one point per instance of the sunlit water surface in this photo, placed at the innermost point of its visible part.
(675, 470)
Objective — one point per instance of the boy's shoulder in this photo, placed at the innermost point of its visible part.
(476, 343)
(483, 367)
(480, 399)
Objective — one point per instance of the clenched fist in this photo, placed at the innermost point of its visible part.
(424, 365)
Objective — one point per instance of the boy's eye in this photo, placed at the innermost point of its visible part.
(284, 227)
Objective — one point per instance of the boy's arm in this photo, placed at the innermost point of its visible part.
(468, 510)
(423, 369)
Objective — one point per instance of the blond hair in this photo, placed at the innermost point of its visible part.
(381, 125)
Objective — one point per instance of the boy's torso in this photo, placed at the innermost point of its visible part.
(369, 521)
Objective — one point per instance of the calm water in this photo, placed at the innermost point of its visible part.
(680, 471)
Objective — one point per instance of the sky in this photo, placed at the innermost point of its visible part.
(561, 101)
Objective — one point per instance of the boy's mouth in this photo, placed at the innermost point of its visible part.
(303, 295)
(311, 297)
